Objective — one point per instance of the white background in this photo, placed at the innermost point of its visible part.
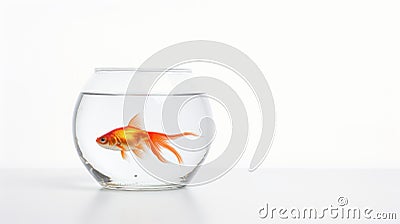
(333, 67)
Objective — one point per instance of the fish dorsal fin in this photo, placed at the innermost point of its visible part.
(135, 122)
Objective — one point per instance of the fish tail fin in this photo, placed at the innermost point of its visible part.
(155, 148)
(171, 149)
(181, 135)
(158, 140)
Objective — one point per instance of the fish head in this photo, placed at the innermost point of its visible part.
(107, 141)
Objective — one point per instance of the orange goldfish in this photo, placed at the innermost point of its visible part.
(132, 137)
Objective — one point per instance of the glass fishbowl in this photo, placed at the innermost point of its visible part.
(116, 128)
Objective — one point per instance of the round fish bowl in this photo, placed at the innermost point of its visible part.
(115, 130)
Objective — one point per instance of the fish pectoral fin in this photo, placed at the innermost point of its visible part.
(123, 154)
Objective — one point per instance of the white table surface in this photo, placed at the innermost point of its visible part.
(72, 196)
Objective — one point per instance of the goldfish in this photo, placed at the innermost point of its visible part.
(133, 138)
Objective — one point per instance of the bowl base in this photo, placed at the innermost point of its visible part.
(135, 187)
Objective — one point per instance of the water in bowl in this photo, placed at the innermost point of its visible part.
(97, 114)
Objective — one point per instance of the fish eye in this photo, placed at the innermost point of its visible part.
(103, 140)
